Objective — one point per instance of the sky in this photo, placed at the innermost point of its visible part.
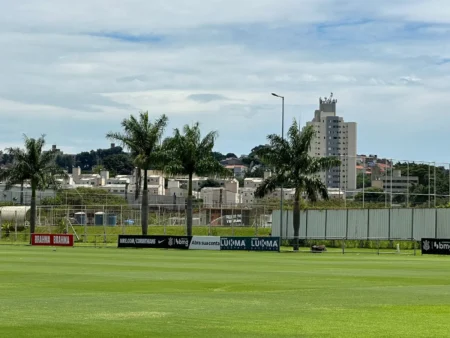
(73, 70)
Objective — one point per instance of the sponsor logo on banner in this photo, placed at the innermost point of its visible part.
(250, 243)
(157, 242)
(234, 243)
(179, 242)
(52, 239)
(433, 246)
(205, 243)
(264, 244)
(134, 241)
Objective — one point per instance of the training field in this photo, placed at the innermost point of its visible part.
(88, 292)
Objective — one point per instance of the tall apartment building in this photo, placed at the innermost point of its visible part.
(335, 138)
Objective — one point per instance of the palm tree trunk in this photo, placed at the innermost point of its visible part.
(296, 220)
(33, 210)
(189, 208)
(144, 206)
(21, 193)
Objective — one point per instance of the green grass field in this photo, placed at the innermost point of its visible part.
(88, 292)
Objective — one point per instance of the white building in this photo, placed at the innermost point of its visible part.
(395, 183)
(119, 179)
(227, 195)
(252, 182)
(334, 137)
(174, 188)
(247, 195)
(114, 188)
(84, 180)
(156, 185)
(238, 170)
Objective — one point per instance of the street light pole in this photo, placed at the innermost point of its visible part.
(282, 194)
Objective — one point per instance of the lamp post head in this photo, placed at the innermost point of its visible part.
(278, 95)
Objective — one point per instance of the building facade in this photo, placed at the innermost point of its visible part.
(395, 183)
(335, 137)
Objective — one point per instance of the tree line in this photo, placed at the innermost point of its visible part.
(187, 153)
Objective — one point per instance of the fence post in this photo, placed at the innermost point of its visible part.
(326, 222)
(209, 227)
(232, 222)
(159, 216)
(104, 222)
(414, 247)
(412, 223)
(389, 225)
(121, 220)
(165, 226)
(85, 232)
(1, 224)
(346, 224)
(256, 225)
(343, 246)
(67, 219)
(368, 223)
(306, 225)
(435, 223)
(15, 226)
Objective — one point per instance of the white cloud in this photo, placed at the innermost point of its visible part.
(61, 77)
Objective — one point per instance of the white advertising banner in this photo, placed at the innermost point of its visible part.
(205, 243)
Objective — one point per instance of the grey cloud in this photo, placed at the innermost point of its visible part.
(87, 102)
(131, 78)
(207, 97)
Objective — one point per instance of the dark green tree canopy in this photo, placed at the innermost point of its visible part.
(34, 165)
(187, 153)
(142, 138)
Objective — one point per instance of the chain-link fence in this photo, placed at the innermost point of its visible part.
(101, 224)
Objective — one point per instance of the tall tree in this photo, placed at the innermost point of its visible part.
(35, 166)
(188, 154)
(292, 165)
(119, 164)
(142, 138)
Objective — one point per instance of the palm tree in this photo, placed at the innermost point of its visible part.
(294, 166)
(35, 166)
(189, 154)
(142, 138)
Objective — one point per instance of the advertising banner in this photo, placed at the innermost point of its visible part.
(137, 241)
(265, 244)
(157, 242)
(52, 239)
(435, 246)
(179, 242)
(234, 243)
(250, 243)
(205, 243)
(200, 242)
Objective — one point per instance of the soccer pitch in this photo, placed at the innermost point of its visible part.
(87, 292)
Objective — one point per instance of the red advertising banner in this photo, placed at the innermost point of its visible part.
(52, 239)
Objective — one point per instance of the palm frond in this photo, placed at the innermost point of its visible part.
(141, 137)
(315, 187)
(268, 185)
(33, 164)
(322, 164)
